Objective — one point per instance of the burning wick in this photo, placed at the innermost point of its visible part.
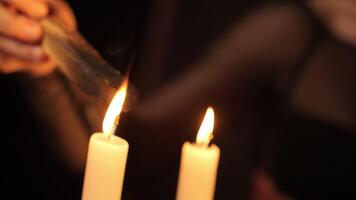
(112, 116)
(205, 133)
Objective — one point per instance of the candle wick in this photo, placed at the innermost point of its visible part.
(202, 144)
(113, 130)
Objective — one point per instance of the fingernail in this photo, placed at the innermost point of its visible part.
(38, 55)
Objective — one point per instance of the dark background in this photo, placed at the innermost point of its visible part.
(28, 169)
(181, 33)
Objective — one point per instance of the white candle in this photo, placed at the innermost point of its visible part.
(105, 168)
(107, 155)
(199, 164)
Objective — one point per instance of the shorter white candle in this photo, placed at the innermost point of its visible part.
(107, 155)
(199, 164)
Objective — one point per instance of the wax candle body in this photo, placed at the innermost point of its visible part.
(105, 167)
(198, 169)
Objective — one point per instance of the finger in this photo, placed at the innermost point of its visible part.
(42, 69)
(265, 188)
(10, 65)
(18, 26)
(61, 11)
(21, 50)
(33, 8)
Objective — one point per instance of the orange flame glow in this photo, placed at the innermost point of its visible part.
(205, 133)
(114, 109)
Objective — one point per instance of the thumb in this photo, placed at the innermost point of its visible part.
(62, 13)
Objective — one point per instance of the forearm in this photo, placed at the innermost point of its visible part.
(260, 46)
(52, 105)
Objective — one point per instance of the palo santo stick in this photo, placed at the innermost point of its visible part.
(81, 62)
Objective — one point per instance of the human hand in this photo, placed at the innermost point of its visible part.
(339, 16)
(263, 187)
(21, 34)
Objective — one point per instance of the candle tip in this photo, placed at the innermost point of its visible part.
(113, 113)
(206, 129)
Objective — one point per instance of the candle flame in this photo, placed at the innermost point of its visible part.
(114, 109)
(205, 133)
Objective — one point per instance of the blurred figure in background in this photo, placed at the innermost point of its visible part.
(315, 152)
(284, 67)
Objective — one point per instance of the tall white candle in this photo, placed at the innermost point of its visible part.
(199, 164)
(107, 155)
